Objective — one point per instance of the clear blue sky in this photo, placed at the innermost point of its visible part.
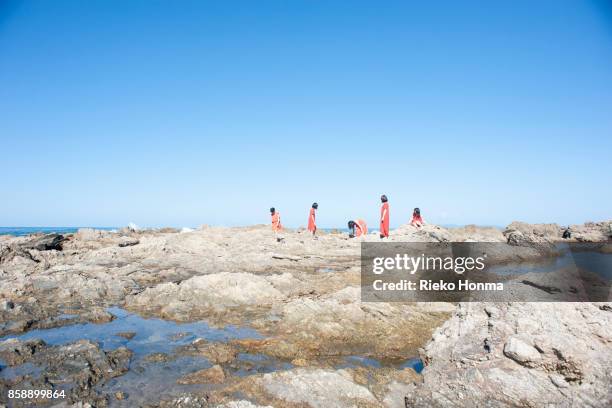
(182, 113)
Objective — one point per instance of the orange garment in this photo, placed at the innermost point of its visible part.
(416, 219)
(276, 223)
(384, 220)
(312, 226)
(361, 228)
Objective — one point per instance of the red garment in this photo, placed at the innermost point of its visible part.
(416, 218)
(276, 224)
(384, 220)
(312, 226)
(361, 228)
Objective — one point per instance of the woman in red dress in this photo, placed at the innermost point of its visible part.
(384, 217)
(312, 225)
(417, 220)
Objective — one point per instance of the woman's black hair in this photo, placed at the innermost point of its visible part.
(272, 210)
(417, 211)
(315, 205)
(384, 198)
(351, 224)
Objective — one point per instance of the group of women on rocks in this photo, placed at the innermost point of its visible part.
(356, 227)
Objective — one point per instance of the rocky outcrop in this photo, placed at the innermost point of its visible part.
(334, 324)
(519, 354)
(14, 352)
(523, 234)
(212, 375)
(426, 233)
(542, 235)
(126, 242)
(215, 292)
(592, 231)
(317, 388)
(77, 367)
(45, 242)
(91, 234)
(216, 353)
(303, 298)
(29, 248)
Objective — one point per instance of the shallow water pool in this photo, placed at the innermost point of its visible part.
(151, 335)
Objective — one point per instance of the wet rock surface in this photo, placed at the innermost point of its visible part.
(74, 368)
(212, 375)
(229, 317)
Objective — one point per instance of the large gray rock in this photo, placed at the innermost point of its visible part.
(89, 234)
(521, 352)
(592, 231)
(523, 234)
(540, 235)
(45, 242)
(563, 351)
(317, 388)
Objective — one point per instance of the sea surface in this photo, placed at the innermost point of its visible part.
(20, 231)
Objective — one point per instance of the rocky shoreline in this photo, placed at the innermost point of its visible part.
(302, 298)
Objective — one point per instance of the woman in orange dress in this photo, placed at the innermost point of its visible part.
(384, 217)
(276, 223)
(312, 225)
(417, 220)
(357, 228)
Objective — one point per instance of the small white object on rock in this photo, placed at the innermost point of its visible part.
(133, 227)
(7, 305)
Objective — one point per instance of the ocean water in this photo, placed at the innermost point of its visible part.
(20, 231)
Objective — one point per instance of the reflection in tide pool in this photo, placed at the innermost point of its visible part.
(592, 261)
(151, 335)
(149, 377)
(355, 361)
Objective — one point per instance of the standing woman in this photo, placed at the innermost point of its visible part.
(384, 217)
(312, 225)
(276, 224)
